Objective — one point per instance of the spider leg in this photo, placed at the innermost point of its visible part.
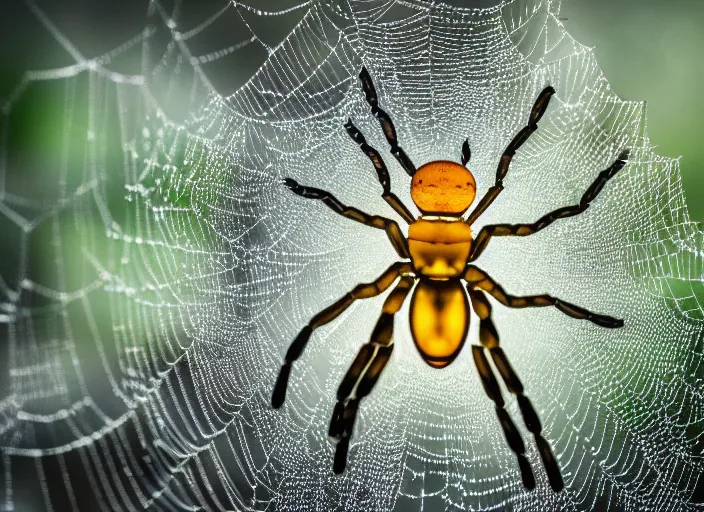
(361, 291)
(513, 437)
(539, 108)
(390, 226)
(364, 373)
(385, 121)
(466, 152)
(478, 279)
(487, 232)
(490, 339)
(381, 171)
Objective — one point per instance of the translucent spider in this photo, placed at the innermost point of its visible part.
(441, 250)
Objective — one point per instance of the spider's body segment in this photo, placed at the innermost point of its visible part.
(443, 188)
(439, 251)
(439, 318)
(439, 247)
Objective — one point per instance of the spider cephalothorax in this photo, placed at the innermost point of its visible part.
(438, 253)
(443, 188)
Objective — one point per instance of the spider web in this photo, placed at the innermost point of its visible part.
(154, 270)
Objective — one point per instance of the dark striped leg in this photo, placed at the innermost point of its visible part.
(513, 437)
(381, 171)
(390, 226)
(479, 279)
(490, 339)
(539, 108)
(364, 373)
(385, 121)
(487, 232)
(361, 291)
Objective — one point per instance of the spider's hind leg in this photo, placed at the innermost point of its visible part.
(490, 339)
(361, 291)
(513, 437)
(364, 373)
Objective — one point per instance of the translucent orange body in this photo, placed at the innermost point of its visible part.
(439, 247)
(439, 320)
(439, 314)
(443, 187)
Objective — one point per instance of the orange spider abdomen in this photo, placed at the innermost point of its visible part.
(443, 188)
(439, 320)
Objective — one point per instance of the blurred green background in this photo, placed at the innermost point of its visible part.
(652, 50)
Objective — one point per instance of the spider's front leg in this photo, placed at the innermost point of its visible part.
(536, 113)
(381, 171)
(361, 291)
(364, 373)
(490, 340)
(487, 232)
(391, 227)
(386, 123)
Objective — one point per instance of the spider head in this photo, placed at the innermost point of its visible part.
(443, 188)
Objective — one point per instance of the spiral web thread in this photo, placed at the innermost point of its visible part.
(159, 270)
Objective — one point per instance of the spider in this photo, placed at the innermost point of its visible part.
(441, 250)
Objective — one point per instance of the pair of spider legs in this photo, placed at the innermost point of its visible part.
(374, 355)
(490, 342)
(370, 361)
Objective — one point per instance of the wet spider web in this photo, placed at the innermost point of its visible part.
(158, 270)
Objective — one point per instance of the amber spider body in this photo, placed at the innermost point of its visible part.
(439, 245)
(438, 254)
